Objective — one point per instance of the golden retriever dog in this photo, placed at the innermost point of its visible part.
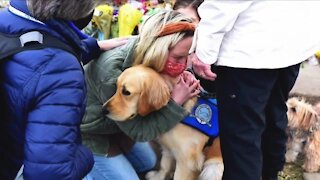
(303, 133)
(141, 90)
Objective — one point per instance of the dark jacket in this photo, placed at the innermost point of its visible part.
(45, 96)
(99, 132)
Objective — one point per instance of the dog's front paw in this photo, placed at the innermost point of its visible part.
(155, 175)
(212, 170)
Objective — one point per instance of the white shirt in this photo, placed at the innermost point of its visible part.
(257, 34)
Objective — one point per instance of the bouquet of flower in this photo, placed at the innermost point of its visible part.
(128, 18)
(102, 18)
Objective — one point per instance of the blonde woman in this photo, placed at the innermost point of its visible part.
(121, 149)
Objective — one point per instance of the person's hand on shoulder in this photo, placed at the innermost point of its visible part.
(187, 87)
(112, 43)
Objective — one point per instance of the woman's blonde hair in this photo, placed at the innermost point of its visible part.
(62, 9)
(152, 50)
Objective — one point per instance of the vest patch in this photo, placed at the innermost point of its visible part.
(204, 117)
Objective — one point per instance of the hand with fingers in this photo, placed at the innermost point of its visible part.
(203, 70)
(186, 88)
(189, 77)
(112, 43)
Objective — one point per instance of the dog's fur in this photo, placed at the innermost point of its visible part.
(131, 97)
(303, 133)
(141, 90)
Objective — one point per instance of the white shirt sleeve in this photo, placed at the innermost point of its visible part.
(217, 18)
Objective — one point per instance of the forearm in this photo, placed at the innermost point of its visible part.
(100, 126)
(151, 126)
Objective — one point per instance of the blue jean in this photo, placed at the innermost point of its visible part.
(124, 166)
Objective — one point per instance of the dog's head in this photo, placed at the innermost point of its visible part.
(140, 90)
(301, 115)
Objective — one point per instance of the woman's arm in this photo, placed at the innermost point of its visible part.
(156, 123)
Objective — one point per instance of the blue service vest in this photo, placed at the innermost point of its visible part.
(204, 117)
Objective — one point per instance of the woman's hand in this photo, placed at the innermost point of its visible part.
(112, 43)
(186, 88)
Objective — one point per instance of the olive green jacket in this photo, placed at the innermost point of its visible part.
(101, 77)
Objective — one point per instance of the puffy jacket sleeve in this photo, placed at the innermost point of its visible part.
(93, 50)
(91, 44)
(53, 147)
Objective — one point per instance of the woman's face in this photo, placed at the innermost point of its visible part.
(189, 11)
(176, 62)
(179, 53)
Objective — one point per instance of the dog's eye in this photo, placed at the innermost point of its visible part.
(125, 91)
(293, 109)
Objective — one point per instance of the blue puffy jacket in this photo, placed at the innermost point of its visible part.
(45, 95)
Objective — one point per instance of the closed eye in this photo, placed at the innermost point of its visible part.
(125, 91)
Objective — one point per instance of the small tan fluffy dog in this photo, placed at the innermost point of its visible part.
(141, 90)
(304, 133)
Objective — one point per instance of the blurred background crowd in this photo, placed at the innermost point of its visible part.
(4, 3)
(122, 17)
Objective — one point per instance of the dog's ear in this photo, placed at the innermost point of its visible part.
(313, 121)
(308, 116)
(155, 95)
(144, 107)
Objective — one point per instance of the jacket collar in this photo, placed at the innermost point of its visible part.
(21, 5)
(131, 46)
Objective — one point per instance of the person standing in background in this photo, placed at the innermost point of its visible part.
(189, 8)
(256, 48)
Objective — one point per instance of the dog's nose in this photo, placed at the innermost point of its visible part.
(105, 110)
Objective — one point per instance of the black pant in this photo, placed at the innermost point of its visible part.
(253, 120)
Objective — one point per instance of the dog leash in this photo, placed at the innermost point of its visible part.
(207, 95)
